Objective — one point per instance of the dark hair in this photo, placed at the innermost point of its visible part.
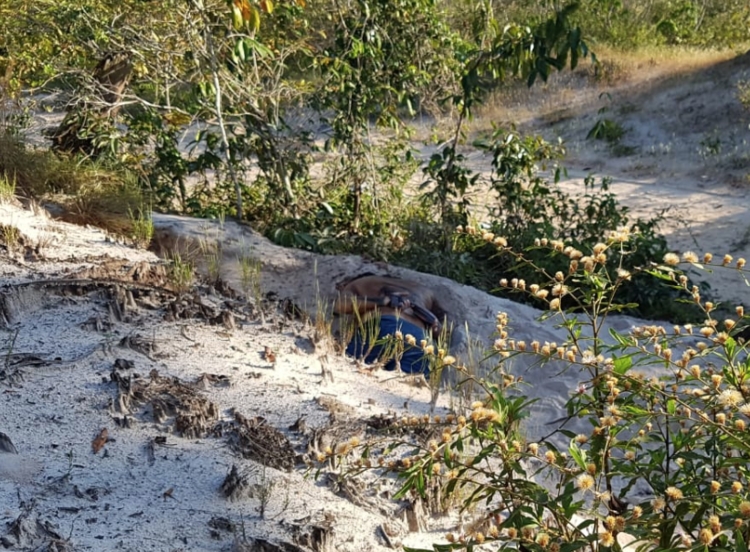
(438, 311)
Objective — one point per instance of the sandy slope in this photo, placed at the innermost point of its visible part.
(139, 493)
(685, 152)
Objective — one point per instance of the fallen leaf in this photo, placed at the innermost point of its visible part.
(100, 441)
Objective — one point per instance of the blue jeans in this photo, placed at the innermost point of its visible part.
(413, 360)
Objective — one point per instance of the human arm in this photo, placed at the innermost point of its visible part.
(358, 298)
(347, 303)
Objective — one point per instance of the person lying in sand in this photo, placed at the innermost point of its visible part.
(396, 305)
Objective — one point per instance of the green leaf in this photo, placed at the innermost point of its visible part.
(266, 6)
(578, 455)
(254, 19)
(739, 542)
(623, 364)
(730, 345)
(671, 406)
(237, 19)
(260, 50)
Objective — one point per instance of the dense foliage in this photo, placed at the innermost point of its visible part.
(296, 116)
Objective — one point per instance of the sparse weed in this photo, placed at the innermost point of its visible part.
(142, 227)
(10, 346)
(323, 320)
(660, 149)
(211, 254)
(463, 390)
(608, 130)
(250, 277)
(45, 240)
(264, 491)
(438, 363)
(7, 188)
(743, 93)
(36, 208)
(70, 455)
(346, 329)
(367, 331)
(393, 349)
(181, 272)
(711, 145)
(11, 236)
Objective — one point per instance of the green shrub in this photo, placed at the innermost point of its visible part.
(665, 408)
(527, 208)
(324, 216)
(608, 130)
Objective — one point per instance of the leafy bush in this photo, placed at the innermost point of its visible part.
(530, 208)
(324, 216)
(607, 130)
(525, 209)
(663, 408)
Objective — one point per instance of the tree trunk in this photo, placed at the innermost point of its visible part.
(77, 132)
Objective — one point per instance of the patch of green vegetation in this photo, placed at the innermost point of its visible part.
(11, 236)
(711, 145)
(254, 82)
(743, 93)
(636, 23)
(7, 188)
(142, 227)
(608, 130)
(621, 150)
(527, 209)
(181, 272)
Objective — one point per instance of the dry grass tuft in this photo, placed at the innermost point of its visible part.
(105, 203)
(7, 188)
(10, 237)
(88, 192)
(29, 169)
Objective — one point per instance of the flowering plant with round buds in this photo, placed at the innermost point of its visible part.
(662, 409)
